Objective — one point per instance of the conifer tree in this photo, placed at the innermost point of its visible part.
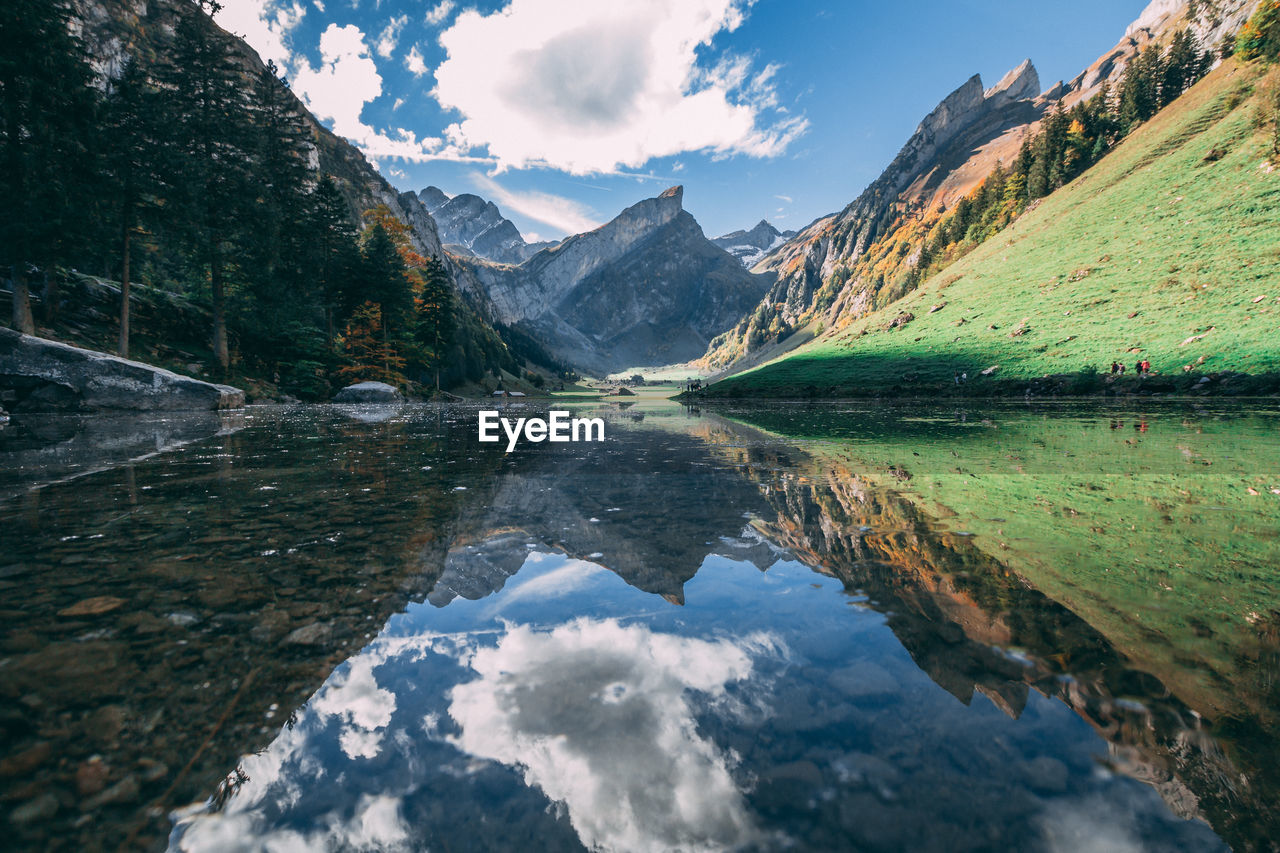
(281, 145)
(332, 256)
(210, 124)
(134, 154)
(46, 114)
(436, 324)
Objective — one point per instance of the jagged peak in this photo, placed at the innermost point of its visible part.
(1022, 82)
(676, 192)
(1156, 13)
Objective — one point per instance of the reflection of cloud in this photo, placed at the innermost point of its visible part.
(376, 824)
(597, 715)
(364, 708)
(557, 583)
(1093, 825)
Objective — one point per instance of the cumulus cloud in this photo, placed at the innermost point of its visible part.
(564, 215)
(391, 36)
(597, 715)
(265, 26)
(438, 13)
(339, 87)
(590, 88)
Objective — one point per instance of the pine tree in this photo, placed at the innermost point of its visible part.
(333, 257)
(210, 124)
(46, 114)
(281, 147)
(435, 320)
(134, 153)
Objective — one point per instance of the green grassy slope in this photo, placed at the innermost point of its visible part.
(1157, 526)
(1154, 247)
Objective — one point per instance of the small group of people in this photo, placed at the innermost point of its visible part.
(1142, 368)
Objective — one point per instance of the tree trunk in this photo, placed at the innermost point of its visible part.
(124, 288)
(22, 301)
(220, 353)
(49, 293)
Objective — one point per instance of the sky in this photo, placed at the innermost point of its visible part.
(565, 112)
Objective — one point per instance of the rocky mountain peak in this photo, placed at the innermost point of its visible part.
(1022, 82)
(676, 193)
(472, 225)
(1156, 13)
(750, 246)
(434, 198)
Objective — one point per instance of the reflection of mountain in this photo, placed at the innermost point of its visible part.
(646, 505)
(975, 626)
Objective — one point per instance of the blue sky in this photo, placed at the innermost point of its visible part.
(564, 112)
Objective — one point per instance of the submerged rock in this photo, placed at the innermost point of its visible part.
(369, 392)
(47, 376)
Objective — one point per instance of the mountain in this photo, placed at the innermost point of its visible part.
(844, 264)
(750, 246)
(647, 288)
(470, 225)
(1126, 263)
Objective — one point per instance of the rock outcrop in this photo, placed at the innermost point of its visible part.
(47, 376)
(647, 288)
(750, 246)
(369, 392)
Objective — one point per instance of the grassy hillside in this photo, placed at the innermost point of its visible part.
(1153, 522)
(1161, 251)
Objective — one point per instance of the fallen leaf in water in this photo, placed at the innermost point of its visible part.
(93, 606)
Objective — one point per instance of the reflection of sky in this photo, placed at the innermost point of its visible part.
(571, 709)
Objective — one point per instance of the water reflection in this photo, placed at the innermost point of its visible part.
(848, 666)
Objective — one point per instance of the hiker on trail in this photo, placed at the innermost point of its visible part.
(1122, 370)
(1138, 368)
(1115, 368)
(1146, 366)
(957, 378)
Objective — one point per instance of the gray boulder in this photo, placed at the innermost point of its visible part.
(369, 392)
(38, 375)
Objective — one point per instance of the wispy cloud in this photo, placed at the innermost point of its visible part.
(565, 215)
(391, 36)
(788, 199)
(438, 13)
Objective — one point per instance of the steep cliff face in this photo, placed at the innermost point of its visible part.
(470, 225)
(645, 288)
(834, 269)
(750, 246)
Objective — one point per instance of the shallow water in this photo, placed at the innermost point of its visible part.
(803, 628)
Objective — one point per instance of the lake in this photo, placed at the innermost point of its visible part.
(809, 627)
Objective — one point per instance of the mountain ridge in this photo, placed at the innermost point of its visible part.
(647, 287)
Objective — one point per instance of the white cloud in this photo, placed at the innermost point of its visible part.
(590, 88)
(363, 707)
(437, 14)
(338, 89)
(390, 36)
(788, 199)
(265, 26)
(564, 215)
(415, 63)
(598, 715)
